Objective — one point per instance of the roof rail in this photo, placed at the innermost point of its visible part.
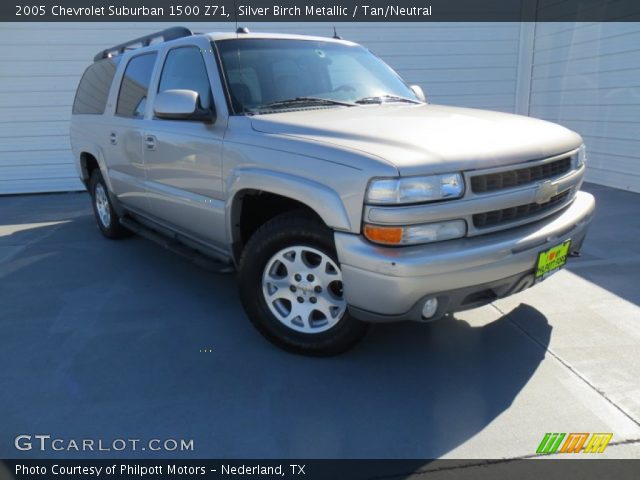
(169, 34)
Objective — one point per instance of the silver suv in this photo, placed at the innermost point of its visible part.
(335, 190)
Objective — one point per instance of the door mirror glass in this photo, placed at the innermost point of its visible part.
(181, 105)
(417, 89)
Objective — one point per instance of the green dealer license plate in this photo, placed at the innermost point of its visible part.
(552, 260)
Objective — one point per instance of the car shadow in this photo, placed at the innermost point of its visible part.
(121, 339)
(611, 252)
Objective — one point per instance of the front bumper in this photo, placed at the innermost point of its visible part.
(391, 284)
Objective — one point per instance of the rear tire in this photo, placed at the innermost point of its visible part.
(291, 287)
(106, 216)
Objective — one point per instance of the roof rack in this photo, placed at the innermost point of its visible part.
(172, 33)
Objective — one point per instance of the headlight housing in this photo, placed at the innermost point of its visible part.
(580, 158)
(416, 234)
(395, 191)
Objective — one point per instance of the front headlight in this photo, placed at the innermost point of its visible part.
(580, 158)
(416, 234)
(387, 191)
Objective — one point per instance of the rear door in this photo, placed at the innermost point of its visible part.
(183, 158)
(125, 148)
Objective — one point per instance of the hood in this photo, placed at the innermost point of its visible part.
(422, 139)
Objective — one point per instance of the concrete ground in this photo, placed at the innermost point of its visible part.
(112, 340)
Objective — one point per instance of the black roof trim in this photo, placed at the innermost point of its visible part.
(172, 33)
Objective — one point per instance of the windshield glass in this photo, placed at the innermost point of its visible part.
(263, 72)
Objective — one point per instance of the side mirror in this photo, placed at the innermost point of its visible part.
(181, 105)
(419, 93)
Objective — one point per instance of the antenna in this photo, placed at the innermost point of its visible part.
(335, 34)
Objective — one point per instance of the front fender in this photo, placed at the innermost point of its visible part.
(323, 200)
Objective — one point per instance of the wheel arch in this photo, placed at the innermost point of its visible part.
(89, 158)
(257, 195)
(88, 163)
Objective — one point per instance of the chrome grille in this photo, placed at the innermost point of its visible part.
(521, 176)
(520, 212)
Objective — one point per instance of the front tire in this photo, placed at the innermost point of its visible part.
(106, 216)
(291, 287)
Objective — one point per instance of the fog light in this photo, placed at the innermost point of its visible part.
(430, 307)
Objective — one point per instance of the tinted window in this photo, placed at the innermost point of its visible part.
(184, 69)
(93, 90)
(132, 98)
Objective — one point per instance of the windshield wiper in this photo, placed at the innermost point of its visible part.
(385, 98)
(300, 101)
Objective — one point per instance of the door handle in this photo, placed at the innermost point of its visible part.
(150, 142)
(113, 138)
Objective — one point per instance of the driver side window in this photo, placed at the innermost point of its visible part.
(184, 68)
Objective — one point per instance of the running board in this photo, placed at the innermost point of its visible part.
(175, 246)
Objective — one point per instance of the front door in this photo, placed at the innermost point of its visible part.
(183, 159)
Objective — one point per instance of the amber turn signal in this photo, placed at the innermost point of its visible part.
(384, 235)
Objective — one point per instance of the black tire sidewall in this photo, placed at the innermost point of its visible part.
(282, 232)
(114, 230)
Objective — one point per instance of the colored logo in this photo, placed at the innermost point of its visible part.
(573, 443)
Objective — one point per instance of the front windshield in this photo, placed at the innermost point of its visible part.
(263, 72)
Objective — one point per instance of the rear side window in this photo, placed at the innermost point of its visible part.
(134, 89)
(93, 90)
(184, 69)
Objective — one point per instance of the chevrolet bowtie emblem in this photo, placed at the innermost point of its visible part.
(545, 191)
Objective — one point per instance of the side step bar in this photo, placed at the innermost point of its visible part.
(174, 245)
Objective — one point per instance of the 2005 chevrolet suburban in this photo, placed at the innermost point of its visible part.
(337, 192)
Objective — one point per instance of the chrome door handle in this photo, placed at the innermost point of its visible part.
(150, 142)
(113, 138)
